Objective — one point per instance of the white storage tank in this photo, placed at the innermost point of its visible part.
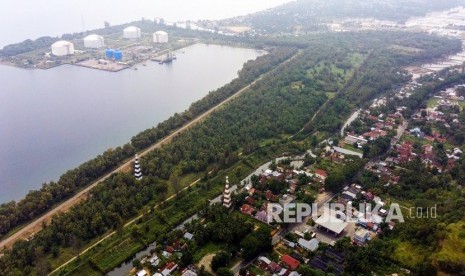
(160, 37)
(62, 48)
(131, 32)
(94, 41)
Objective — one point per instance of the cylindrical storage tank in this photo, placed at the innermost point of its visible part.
(109, 53)
(94, 41)
(131, 32)
(62, 48)
(118, 55)
(160, 37)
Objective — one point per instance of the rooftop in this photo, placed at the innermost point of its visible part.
(331, 223)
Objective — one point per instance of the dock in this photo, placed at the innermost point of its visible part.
(168, 58)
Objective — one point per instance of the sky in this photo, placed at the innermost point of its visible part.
(23, 19)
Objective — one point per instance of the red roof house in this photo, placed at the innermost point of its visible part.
(290, 262)
(321, 174)
(247, 209)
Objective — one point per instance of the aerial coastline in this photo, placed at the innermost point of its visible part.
(335, 148)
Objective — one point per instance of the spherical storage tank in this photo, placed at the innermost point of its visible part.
(62, 48)
(93, 41)
(131, 32)
(160, 37)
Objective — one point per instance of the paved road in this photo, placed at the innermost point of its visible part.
(237, 267)
(400, 130)
(36, 225)
(349, 121)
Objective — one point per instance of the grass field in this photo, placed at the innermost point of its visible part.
(352, 148)
(453, 246)
(405, 49)
(432, 102)
(108, 259)
(330, 95)
(408, 254)
(209, 248)
(255, 270)
(331, 76)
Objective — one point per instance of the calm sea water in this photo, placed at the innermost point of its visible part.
(53, 120)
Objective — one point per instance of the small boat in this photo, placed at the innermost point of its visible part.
(135, 68)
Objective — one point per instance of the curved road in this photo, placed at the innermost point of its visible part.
(36, 225)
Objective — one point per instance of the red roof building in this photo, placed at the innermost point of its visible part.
(273, 267)
(290, 262)
(321, 174)
(250, 200)
(369, 196)
(247, 209)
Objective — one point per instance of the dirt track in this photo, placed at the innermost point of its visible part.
(36, 225)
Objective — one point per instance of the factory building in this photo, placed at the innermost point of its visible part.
(94, 41)
(62, 48)
(160, 37)
(131, 32)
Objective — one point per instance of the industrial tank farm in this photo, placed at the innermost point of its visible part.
(131, 32)
(109, 49)
(94, 41)
(160, 37)
(62, 48)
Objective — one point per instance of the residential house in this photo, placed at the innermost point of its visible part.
(348, 196)
(361, 236)
(166, 254)
(310, 245)
(142, 273)
(368, 196)
(169, 268)
(290, 262)
(274, 267)
(247, 209)
(263, 262)
(288, 243)
(188, 272)
(154, 261)
(188, 236)
(321, 174)
(262, 216)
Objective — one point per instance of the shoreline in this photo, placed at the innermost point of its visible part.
(118, 69)
(35, 225)
(27, 230)
(129, 65)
